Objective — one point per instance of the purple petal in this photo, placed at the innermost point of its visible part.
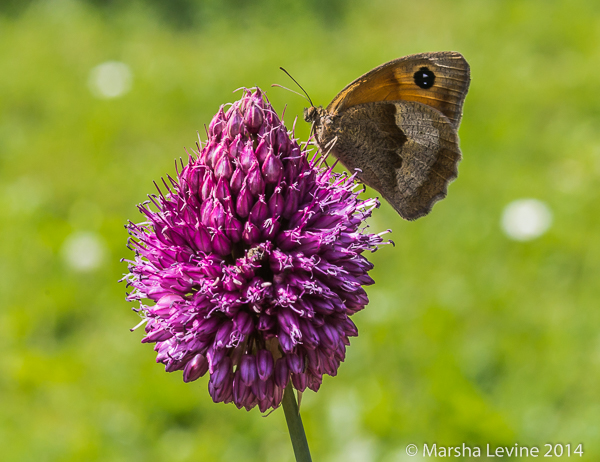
(259, 212)
(244, 202)
(217, 216)
(221, 373)
(272, 168)
(233, 228)
(264, 364)
(276, 202)
(237, 180)
(195, 368)
(253, 117)
(248, 369)
(223, 334)
(300, 381)
(282, 372)
(295, 363)
(221, 243)
(266, 323)
(256, 183)
(262, 150)
(251, 233)
(235, 147)
(223, 168)
(234, 124)
(247, 157)
(217, 123)
(157, 336)
(243, 323)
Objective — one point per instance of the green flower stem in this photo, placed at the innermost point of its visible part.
(294, 423)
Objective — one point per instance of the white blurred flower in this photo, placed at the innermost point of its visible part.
(83, 251)
(356, 449)
(526, 219)
(110, 79)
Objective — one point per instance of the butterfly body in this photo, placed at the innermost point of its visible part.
(396, 126)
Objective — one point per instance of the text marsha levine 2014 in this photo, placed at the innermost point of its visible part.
(548, 450)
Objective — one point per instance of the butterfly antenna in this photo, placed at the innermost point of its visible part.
(303, 90)
(286, 88)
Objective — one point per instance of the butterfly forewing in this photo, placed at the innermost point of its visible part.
(439, 80)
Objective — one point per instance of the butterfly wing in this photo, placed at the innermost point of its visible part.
(405, 150)
(439, 80)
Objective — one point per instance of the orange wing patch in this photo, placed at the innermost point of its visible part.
(396, 80)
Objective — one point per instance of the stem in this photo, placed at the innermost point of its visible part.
(294, 423)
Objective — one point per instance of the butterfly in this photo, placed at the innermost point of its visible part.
(396, 127)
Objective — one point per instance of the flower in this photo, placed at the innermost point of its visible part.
(253, 261)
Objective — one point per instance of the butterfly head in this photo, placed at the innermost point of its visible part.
(320, 120)
(314, 114)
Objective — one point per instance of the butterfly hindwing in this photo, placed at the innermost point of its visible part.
(405, 150)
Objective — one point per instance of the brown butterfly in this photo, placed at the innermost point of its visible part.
(396, 126)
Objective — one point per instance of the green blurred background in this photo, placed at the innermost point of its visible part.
(471, 336)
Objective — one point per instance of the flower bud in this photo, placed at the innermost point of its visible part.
(223, 334)
(234, 148)
(299, 381)
(217, 216)
(206, 211)
(233, 228)
(165, 303)
(248, 370)
(234, 124)
(215, 128)
(222, 190)
(264, 364)
(208, 186)
(266, 323)
(262, 150)
(251, 233)
(272, 168)
(244, 202)
(195, 368)
(253, 117)
(259, 212)
(276, 202)
(256, 184)
(295, 363)
(291, 202)
(223, 167)
(237, 179)
(282, 372)
(157, 336)
(213, 155)
(202, 239)
(221, 243)
(247, 157)
(221, 373)
(241, 391)
(282, 141)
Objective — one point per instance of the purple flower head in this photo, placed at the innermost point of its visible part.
(250, 263)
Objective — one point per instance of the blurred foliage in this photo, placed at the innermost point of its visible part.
(469, 337)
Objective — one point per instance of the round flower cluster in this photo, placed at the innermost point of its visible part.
(252, 261)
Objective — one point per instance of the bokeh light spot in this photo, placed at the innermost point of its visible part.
(111, 79)
(526, 219)
(83, 251)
